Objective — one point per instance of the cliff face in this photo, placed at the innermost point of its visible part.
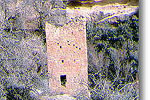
(33, 14)
(90, 3)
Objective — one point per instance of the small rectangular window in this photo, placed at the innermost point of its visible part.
(63, 80)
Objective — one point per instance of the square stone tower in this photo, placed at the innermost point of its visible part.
(67, 57)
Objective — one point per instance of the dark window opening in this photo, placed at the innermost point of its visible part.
(62, 61)
(63, 80)
(60, 46)
(76, 47)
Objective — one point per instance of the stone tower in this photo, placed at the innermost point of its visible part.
(67, 57)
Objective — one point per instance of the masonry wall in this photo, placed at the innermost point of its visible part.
(67, 57)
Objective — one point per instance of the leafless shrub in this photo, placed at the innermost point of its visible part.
(23, 63)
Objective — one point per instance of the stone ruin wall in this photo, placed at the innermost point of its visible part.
(67, 57)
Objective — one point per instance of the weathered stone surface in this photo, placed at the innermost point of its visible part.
(67, 55)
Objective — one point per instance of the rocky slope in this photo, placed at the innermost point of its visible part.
(23, 64)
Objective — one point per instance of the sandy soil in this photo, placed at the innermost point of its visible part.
(112, 9)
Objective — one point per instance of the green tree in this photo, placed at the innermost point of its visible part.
(116, 45)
